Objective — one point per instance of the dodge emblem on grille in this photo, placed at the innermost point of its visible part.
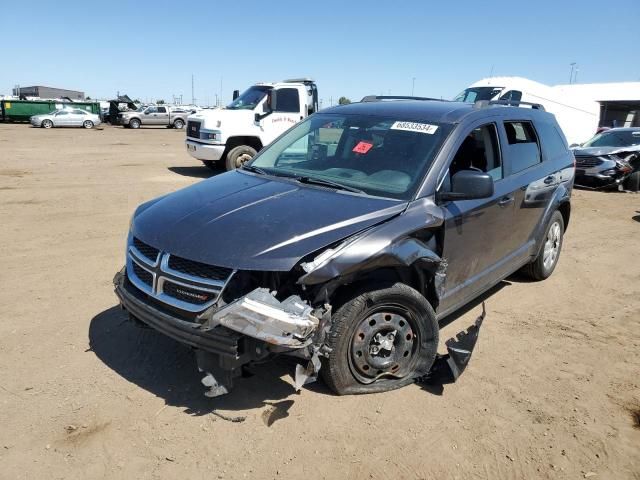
(198, 296)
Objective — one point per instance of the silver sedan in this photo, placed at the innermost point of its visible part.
(66, 118)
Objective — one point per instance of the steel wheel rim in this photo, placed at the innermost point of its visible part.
(88, 124)
(242, 159)
(551, 246)
(384, 345)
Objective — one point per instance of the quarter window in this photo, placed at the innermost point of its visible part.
(524, 148)
(287, 100)
(553, 143)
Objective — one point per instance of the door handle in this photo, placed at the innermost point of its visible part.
(506, 200)
(549, 180)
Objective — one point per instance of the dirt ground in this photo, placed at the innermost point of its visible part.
(552, 390)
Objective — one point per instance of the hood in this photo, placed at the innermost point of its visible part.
(597, 151)
(211, 117)
(251, 222)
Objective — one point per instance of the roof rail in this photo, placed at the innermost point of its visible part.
(376, 98)
(508, 103)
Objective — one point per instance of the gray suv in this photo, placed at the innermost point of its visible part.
(348, 239)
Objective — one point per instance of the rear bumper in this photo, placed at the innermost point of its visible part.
(204, 151)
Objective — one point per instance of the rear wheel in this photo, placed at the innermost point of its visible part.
(135, 123)
(47, 124)
(87, 124)
(380, 340)
(545, 263)
(178, 124)
(238, 156)
(632, 182)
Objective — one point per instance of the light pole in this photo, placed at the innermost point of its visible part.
(573, 64)
(413, 85)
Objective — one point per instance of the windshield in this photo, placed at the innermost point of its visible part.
(474, 94)
(379, 156)
(249, 98)
(621, 138)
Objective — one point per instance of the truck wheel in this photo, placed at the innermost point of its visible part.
(46, 124)
(380, 340)
(87, 124)
(178, 124)
(134, 123)
(632, 182)
(238, 156)
(545, 263)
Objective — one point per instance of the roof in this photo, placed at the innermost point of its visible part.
(411, 110)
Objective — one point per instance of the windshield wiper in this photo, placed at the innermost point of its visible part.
(327, 183)
(251, 168)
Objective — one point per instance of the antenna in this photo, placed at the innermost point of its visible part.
(193, 100)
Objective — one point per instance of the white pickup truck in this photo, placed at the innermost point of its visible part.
(234, 134)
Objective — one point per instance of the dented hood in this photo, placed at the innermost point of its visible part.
(598, 151)
(251, 222)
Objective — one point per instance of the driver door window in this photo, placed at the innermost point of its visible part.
(287, 100)
(479, 151)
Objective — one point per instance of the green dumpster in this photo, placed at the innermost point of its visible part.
(22, 110)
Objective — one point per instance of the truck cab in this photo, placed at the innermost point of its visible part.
(234, 134)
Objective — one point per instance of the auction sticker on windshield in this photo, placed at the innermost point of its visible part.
(415, 127)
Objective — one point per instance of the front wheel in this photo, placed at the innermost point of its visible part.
(135, 123)
(238, 156)
(632, 182)
(380, 340)
(178, 124)
(47, 124)
(87, 124)
(545, 263)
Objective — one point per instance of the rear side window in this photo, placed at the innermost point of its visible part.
(524, 147)
(287, 100)
(553, 143)
(515, 95)
(162, 110)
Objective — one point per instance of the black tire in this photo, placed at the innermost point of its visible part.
(210, 164)
(238, 156)
(632, 182)
(87, 124)
(539, 269)
(355, 327)
(179, 124)
(46, 124)
(134, 123)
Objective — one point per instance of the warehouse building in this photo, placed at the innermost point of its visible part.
(48, 92)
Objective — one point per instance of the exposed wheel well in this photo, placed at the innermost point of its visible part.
(253, 142)
(413, 277)
(565, 210)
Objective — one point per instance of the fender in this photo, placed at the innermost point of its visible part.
(394, 243)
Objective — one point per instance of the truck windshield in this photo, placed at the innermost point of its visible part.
(249, 98)
(620, 138)
(474, 94)
(386, 157)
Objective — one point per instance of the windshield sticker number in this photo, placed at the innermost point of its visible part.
(362, 147)
(415, 127)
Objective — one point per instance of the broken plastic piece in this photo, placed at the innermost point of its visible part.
(215, 389)
(308, 374)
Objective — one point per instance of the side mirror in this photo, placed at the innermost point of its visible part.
(574, 145)
(469, 185)
(236, 94)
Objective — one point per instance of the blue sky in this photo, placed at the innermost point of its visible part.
(149, 50)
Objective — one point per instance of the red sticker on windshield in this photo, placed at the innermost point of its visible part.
(362, 147)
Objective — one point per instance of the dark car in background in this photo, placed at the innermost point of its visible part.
(610, 159)
(345, 241)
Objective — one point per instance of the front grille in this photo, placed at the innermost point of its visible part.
(147, 250)
(197, 269)
(587, 161)
(187, 294)
(144, 276)
(193, 129)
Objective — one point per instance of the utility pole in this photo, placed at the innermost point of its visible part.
(575, 75)
(413, 85)
(193, 100)
(220, 98)
(573, 64)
